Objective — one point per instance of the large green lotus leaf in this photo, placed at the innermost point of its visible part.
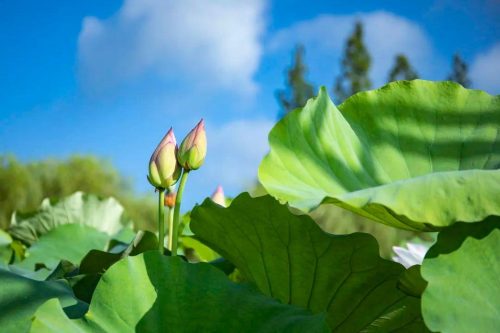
(69, 242)
(155, 293)
(21, 296)
(106, 215)
(463, 271)
(388, 153)
(291, 259)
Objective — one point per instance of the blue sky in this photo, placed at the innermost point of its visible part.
(110, 77)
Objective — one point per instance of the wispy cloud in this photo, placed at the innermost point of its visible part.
(386, 34)
(485, 70)
(210, 44)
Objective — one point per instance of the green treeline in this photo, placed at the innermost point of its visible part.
(354, 73)
(24, 185)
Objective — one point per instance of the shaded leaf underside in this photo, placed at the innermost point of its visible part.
(21, 296)
(291, 259)
(154, 293)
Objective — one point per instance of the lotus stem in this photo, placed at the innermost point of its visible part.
(170, 217)
(161, 219)
(177, 210)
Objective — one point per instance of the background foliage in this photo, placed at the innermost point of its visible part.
(23, 186)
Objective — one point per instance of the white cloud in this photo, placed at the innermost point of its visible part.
(485, 70)
(234, 152)
(207, 43)
(386, 34)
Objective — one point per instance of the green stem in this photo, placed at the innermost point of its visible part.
(170, 217)
(177, 211)
(161, 219)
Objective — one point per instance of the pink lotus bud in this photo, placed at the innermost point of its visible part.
(193, 149)
(164, 171)
(218, 196)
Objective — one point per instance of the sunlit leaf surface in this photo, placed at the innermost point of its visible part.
(416, 154)
(463, 270)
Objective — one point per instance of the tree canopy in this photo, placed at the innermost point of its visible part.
(459, 72)
(355, 66)
(297, 90)
(402, 69)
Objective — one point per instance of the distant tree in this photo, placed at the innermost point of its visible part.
(402, 70)
(459, 71)
(297, 90)
(355, 66)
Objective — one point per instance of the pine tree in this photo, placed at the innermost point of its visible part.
(298, 90)
(402, 69)
(355, 66)
(459, 71)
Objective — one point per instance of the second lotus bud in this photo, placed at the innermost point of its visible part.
(164, 170)
(218, 196)
(193, 149)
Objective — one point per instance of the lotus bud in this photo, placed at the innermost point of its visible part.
(170, 199)
(193, 149)
(164, 170)
(218, 196)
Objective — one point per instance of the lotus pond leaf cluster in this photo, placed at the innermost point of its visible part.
(416, 155)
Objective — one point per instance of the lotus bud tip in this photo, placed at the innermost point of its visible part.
(193, 149)
(218, 196)
(164, 170)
